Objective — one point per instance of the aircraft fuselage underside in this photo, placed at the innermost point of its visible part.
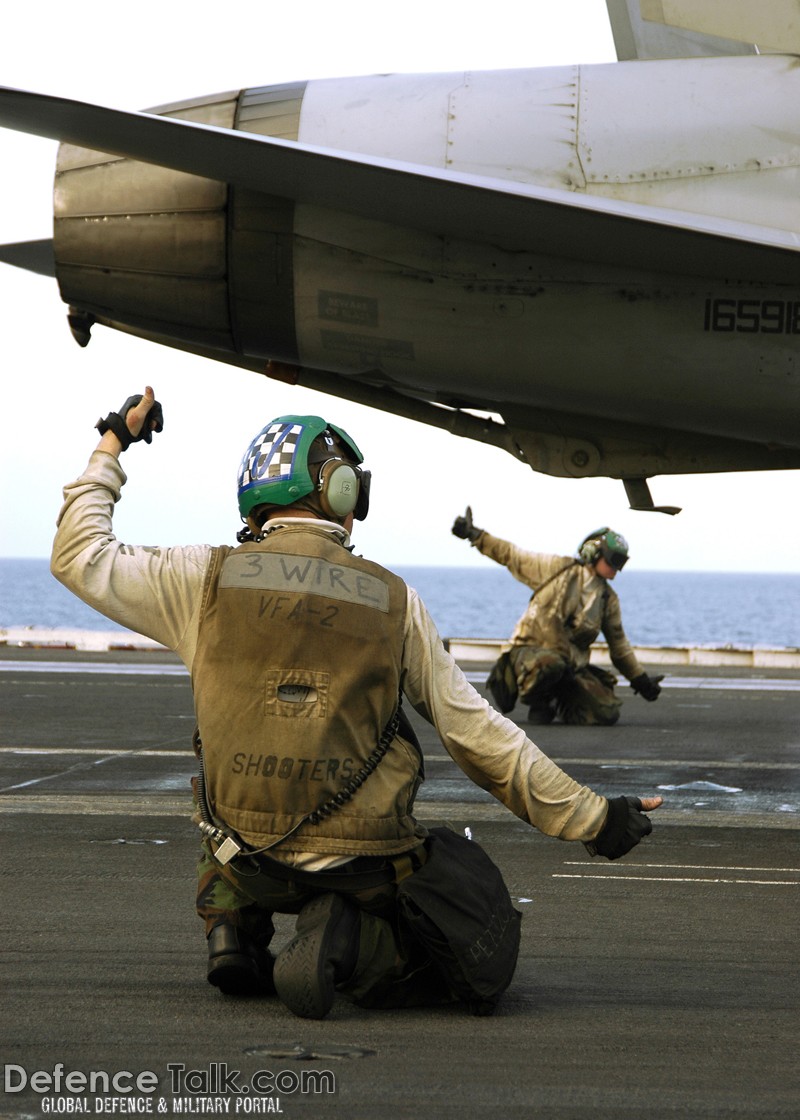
(597, 366)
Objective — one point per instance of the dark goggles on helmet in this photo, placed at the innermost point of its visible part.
(617, 560)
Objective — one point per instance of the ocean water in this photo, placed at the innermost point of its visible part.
(658, 608)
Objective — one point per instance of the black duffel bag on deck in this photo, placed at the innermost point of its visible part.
(458, 908)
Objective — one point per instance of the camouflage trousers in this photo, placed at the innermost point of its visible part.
(549, 683)
(391, 971)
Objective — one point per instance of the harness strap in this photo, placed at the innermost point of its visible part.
(554, 576)
(353, 876)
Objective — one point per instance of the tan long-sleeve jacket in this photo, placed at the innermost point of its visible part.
(158, 592)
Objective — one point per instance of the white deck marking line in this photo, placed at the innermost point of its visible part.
(765, 684)
(716, 764)
(137, 668)
(138, 804)
(108, 752)
(676, 879)
(698, 867)
(746, 684)
(614, 763)
(99, 758)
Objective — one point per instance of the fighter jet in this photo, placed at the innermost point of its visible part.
(594, 268)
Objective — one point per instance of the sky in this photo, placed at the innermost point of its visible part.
(182, 488)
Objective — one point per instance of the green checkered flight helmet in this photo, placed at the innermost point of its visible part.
(606, 543)
(275, 468)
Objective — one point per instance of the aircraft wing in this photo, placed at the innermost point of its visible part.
(34, 256)
(517, 216)
(647, 29)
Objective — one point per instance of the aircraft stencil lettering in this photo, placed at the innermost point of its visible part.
(752, 316)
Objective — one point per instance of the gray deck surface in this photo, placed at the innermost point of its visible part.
(661, 985)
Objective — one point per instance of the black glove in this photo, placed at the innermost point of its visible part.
(115, 422)
(625, 826)
(463, 527)
(648, 687)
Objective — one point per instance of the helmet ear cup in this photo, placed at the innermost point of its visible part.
(589, 548)
(589, 552)
(338, 487)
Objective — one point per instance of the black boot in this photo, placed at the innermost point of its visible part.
(322, 954)
(236, 965)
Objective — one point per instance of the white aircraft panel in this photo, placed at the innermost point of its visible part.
(519, 125)
(692, 137)
(391, 115)
(776, 204)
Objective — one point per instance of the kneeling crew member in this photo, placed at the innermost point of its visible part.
(300, 654)
(571, 605)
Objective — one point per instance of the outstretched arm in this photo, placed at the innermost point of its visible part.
(149, 589)
(495, 753)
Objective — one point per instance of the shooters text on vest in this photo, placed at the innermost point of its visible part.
(298, 769)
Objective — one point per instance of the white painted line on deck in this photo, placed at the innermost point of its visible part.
(165, 803)
(98, 757)
(119, 668)
(676, 879)
(429, 759)
(736, 684)
(729, 684)
(611, 764)
(697, 867)
(101, 805)
(716, 764)
(103, 751)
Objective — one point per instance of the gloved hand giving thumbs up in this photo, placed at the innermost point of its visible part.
(463, 527)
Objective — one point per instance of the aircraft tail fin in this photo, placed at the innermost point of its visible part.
(647, 29)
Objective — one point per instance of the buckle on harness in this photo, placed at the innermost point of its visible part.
(226, 851)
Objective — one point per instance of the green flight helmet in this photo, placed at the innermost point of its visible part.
(606, 543)
(275, 468)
